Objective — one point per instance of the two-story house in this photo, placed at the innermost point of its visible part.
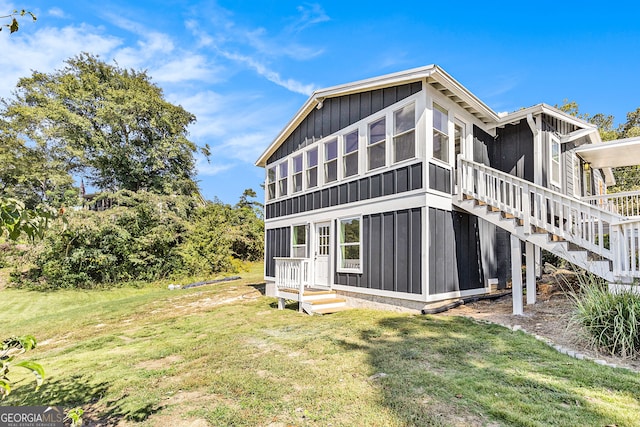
(407, 187)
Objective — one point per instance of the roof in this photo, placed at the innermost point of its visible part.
(433, 74)
(612, 154)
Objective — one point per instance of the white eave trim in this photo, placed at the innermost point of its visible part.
(516, 116)
(612, 154)
(402, 77)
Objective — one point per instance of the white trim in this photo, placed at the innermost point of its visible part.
(457, 294)
(380, 292)
(553, 138)
(577, 186)
(339, 245)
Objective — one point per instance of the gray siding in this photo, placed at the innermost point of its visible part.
(278, 244)
(511, 151)
(395, 181)
(392, 247)
(439, 178)
(455, 252)
(340, 112)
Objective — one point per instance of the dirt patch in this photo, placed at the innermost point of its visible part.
(549, 318)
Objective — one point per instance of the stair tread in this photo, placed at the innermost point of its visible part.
(326, 301)
(329, 310)
(307, 291)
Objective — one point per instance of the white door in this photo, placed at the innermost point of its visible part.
(322, 253)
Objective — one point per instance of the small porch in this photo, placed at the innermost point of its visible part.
(293, 283)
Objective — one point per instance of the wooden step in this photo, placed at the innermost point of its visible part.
(330, 310)
(326, 301)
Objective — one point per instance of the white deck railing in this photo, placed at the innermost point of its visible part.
(597, 230)
(292, 273)
(626, 204)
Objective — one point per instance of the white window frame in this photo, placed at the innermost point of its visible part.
(327, 161)
(354, 154)
(437, 106)
(554, 140)
(306, 240)
(382, 141)
(297, 174)
(339, 245)
(577, 175)
(403, 133)
(308, 169)
(284, 178)
(273, 182)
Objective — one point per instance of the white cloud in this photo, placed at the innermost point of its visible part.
(310, 14)
(205, 168)
(57, 12)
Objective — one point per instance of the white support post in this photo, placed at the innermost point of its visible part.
(516, 275)
(531, 273)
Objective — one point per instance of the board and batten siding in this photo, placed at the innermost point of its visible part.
(277, 244)
(340, 112)
(391, 253)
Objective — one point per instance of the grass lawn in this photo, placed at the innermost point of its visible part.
(224, 355)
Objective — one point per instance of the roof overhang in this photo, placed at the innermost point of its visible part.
(432, 74)
(612, 154)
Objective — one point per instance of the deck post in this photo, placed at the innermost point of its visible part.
(516, 275)
(530, 254)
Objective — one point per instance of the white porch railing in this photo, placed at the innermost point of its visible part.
(292, 273)
(597, 230)
(626, 204)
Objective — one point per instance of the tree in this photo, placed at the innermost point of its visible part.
(107, 123)
(14, 26)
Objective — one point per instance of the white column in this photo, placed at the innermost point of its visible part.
(530, 253)
(516, 275)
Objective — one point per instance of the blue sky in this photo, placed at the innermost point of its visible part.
(245, 67)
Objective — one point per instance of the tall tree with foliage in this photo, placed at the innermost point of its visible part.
(107, 123)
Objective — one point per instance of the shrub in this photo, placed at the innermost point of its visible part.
(611, 320)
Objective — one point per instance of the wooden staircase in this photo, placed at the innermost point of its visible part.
(312, 301)
(600, 241)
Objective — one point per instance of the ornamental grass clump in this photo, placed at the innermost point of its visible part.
(610, 320)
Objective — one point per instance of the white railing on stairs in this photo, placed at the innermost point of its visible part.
(626, 204)
(292, 273)
(597, 230)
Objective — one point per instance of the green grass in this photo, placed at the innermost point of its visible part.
(223, 353)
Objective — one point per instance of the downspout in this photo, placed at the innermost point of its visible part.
(532, 124)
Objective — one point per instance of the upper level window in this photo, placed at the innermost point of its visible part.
(299, 241)
(577, 172)
(350, 236)
(440, 133)
(554, 160)
(297, 173)
(404, 135)
(376, 152)
(271, 183)
(331, 160)
(351, 154)
(312, 168)
(282, 182)
(458, 139)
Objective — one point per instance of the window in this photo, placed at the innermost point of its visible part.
(377, 139)
(440, 133)
(282, 183)
(554, 153)
(312, 168)
(297, 173)
(331, 161)
(351, 154)
(271, 183)
(458, 139)
(349, 253)
(404, 135)
(577, 172)
(299, 241)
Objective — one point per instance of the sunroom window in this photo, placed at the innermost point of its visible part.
(554, 152)
(331, 161)
(299, 241)
(351, 154)
(349, 251)
(440, 133)
(282, 182)
(376, 151)
(271, 183)
(297, 173)
(312, 168)
(404, 135)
